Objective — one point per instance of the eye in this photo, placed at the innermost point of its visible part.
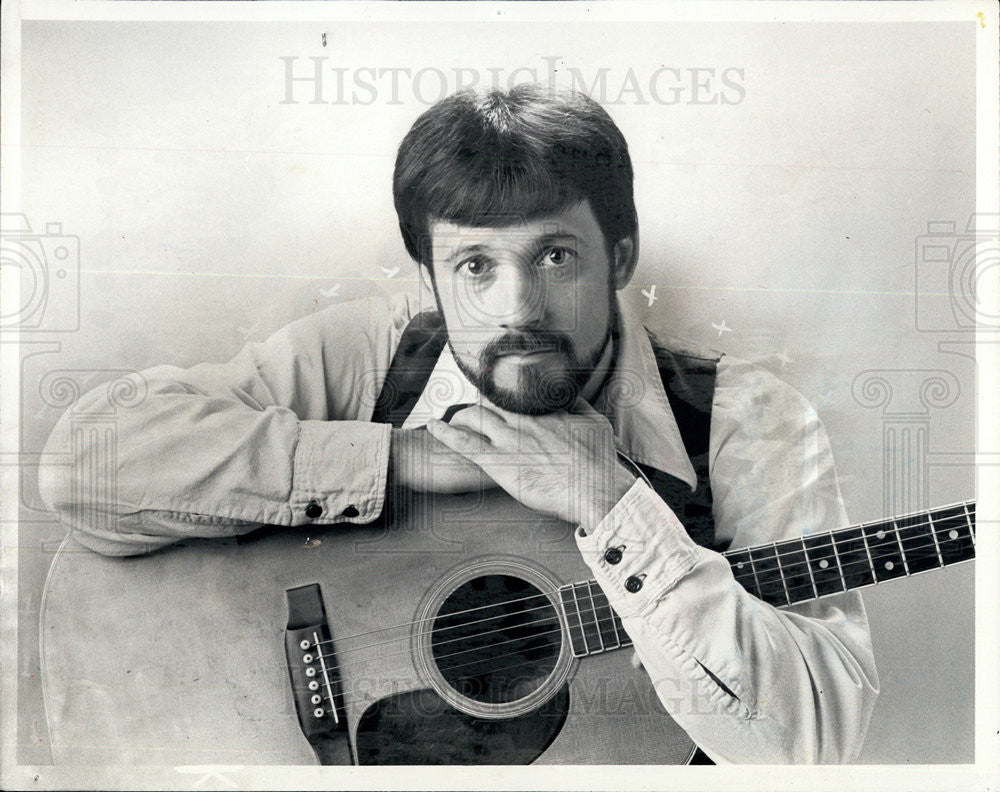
(557, 256)
(474, 266)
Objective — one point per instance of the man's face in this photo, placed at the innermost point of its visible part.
(529, 306)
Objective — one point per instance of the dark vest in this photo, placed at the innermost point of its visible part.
(688, 379)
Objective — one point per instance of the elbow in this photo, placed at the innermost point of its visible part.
(853, 741)
(840, 730)
(55, 472)
(80, 493)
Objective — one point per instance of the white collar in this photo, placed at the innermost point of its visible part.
(633, 400)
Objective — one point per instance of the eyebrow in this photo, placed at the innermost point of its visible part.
(542, 242)
(465, 250)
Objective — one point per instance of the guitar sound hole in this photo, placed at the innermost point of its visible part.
(496, 639)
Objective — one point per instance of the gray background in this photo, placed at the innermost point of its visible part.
(209, 213)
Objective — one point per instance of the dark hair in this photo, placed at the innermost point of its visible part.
(494, 157)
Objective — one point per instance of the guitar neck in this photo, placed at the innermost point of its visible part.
(797, 570)
(807, 568)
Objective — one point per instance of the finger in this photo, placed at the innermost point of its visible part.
(483, 421)
(469, 444)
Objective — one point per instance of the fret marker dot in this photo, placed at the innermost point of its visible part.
(880, 534)
(889, 565)
(739, 565)
(823, 564)
(953, 534)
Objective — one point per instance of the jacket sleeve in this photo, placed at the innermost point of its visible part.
(749, 682)
(221, 449)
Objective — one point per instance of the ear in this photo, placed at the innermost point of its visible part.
(626, 255)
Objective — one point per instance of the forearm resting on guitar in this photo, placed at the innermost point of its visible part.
(192, 463)
(424, 464)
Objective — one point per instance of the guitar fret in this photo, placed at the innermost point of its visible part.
(583, 627)
(578, 640)
(756, 580)
(812, 578)
(597, 620)
(739, 561)
(836, 555)
(956, 540)
(887, 562)
(868, 552)
(781, 574)
(591, 622)
(855, 558)
(841, 560)
(937, 546)
(902, 553)
(920, 551)
(770, 580)
(607, 626)
(823, 564)
(795, 570)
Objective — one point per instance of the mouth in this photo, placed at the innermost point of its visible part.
(527, 354)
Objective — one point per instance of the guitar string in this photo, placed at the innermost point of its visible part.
(590, 622)
(527, 638)
(806, 585)
(729, 554)
(800, 552)
(345, 701)
(467, 663)
(593, 624)
(547, 605)
(505, 616)
(333, 655)
(492, 669)
(492, 658)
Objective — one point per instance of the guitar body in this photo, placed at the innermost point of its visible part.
(179, 657)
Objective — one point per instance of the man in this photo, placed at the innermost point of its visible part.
(518, 208)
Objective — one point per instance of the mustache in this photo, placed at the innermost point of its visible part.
(525, 342)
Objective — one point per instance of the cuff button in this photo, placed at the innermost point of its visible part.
(313, 510)
(613, 555)
(633, 584)
(350, 511)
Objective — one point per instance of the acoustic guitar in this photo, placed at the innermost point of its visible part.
(466, 631)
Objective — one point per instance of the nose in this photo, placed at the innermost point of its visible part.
(519, 299)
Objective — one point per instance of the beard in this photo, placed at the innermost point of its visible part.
(540, 389)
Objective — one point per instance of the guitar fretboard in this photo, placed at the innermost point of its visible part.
(594, 627)
(797, 570)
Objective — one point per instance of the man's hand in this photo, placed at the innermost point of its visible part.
(563, 464)
(419, 461)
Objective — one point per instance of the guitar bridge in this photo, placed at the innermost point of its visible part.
(312, 668)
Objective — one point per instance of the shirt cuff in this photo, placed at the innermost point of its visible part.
(639, 551)
(340, 470)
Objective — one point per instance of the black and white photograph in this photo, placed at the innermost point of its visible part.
(566, 395)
